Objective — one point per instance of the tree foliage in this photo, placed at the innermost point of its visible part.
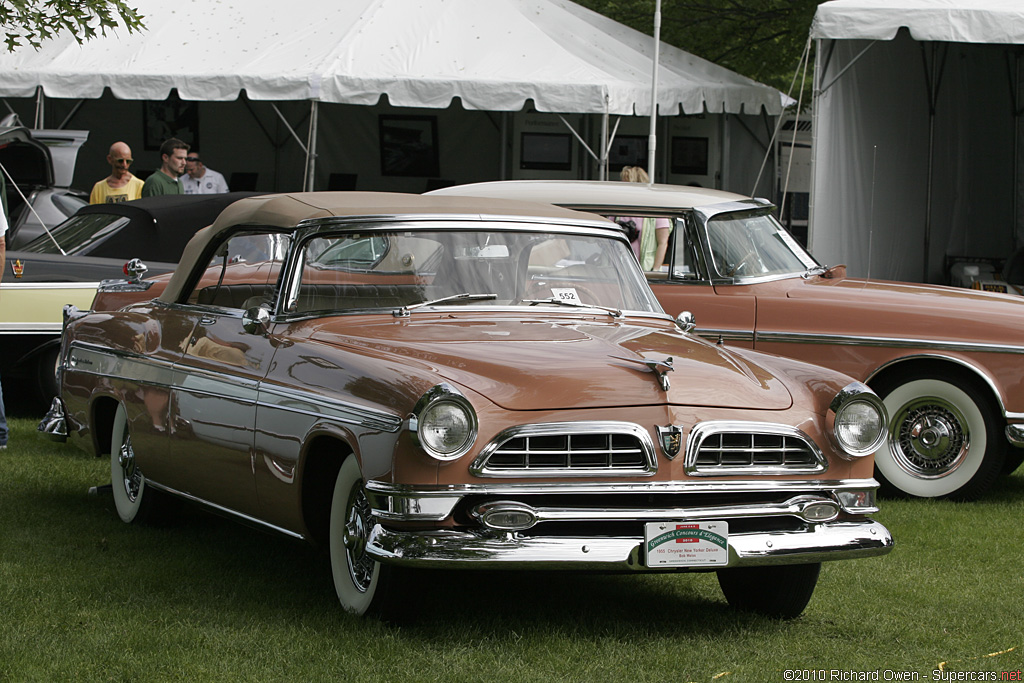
(33, 21)
(760, 39)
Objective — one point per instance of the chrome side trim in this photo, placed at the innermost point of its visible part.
(282, 398)
(480, 468)
(714, 335)
(454, 549)
(220, 509)
(434, 503)
(704, 430)
(894, 342)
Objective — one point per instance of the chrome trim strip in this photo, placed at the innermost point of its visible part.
(704, 430)
(480, 468)
(441, 549)
(326, 407)
(31, 328)
(894, 342)
(223, 510)
(50, 285)
(791, 508)
(434, 503)
(713, 335)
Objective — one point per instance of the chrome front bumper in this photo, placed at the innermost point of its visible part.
(457, 549)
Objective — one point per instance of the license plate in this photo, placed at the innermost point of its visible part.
(686, 544)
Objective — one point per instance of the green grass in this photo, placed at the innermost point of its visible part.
(84, 596)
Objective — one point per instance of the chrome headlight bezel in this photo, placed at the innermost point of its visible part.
(856, 394)
(442, 396)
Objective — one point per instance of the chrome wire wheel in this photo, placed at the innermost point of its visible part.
(931, 438)
(944, 438)
(131, 476)
(354, 536)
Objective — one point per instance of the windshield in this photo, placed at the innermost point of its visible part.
(754, 244)
(397, 270)
(77, 233)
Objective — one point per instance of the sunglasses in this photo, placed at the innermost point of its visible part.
(191, 158)
(126, 162)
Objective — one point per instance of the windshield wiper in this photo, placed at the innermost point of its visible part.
(466, 296)
(614, 312)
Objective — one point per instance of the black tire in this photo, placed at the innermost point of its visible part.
(780, 592)
(944, 438)
(1013, 459)
(46, 385)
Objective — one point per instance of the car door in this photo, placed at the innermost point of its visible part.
(216, 379)
(721, 309)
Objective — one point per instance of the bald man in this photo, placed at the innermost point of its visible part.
(120, 185)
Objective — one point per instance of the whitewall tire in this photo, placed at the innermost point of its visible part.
(943, 440)
(358, 579)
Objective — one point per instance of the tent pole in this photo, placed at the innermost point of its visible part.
(40, 121)
(310, 183)
(602, 172)
(652, 139)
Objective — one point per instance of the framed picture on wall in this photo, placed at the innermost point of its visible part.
(171, 118)
(628, 150)
(545, 151)
(408, 146)
(690, 155)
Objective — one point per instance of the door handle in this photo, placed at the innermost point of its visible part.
(207, 321)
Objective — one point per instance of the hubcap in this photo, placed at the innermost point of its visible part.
(130, 474)
(931, 438)
(357, 530)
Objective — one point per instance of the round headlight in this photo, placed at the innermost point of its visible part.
(445, 423)
(858, 420)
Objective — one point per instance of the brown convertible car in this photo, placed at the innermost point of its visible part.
(466, 383)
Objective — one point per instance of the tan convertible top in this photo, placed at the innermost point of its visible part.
(288, 210)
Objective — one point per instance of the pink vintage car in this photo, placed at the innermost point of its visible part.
(949, 363)
(455, 383)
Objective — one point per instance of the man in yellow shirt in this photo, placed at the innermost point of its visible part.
(120, 185)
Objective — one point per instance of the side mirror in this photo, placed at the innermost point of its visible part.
(686, 321)
(256, 320)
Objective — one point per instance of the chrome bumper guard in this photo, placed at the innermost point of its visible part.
(459, 549)
(54, 426)
(1015, 435)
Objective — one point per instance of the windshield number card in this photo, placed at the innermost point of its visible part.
(686, 544)
(566, 294)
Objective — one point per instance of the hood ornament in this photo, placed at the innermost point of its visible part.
(18, 268)
(659, 367)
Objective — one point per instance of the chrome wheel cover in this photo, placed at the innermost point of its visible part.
(358, 522)
(131, 476)
(930, 438)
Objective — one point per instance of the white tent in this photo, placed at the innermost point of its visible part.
(493, 55)
(916, 134)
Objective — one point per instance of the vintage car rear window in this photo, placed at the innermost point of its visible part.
(76, 233)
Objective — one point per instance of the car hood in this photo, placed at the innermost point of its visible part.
(542, 364)
(898, 309)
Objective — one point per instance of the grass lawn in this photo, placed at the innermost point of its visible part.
(85, 597)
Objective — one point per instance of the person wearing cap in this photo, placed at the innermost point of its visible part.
(199, 179)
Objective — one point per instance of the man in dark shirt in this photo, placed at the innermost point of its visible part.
(165, 179)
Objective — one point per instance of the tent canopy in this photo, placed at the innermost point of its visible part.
(494, 55)
(916, 134)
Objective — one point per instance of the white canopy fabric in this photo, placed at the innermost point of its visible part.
(954, 21)
(492, 54)
(916, 134)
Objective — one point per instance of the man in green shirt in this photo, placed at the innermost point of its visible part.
(165, 179)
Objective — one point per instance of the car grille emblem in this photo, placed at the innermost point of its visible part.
(671, 439)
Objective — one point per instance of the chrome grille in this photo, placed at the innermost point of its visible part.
(751, 448)
(574, 449)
